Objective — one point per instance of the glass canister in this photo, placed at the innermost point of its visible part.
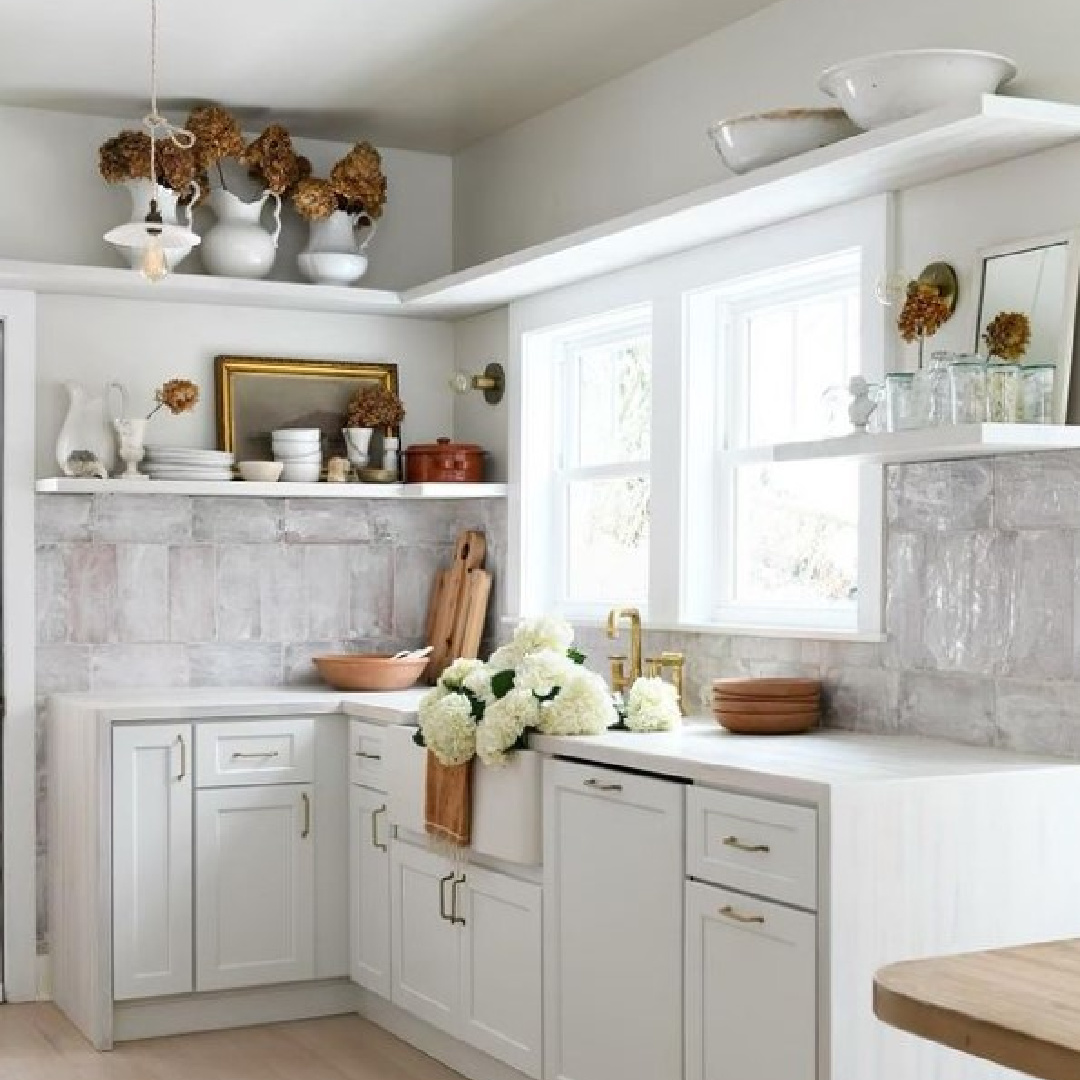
(967, 381)
(938, 393)
(1037, 393)
(1003, 393)
(900, 402)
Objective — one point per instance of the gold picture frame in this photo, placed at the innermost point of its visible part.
(257, 394)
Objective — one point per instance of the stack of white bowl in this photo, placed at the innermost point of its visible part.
(300, 452)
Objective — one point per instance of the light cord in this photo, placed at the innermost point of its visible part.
(156, 124)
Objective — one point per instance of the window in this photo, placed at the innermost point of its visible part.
(599, 461)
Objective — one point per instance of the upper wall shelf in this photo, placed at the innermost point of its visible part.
(938, 144)
(948, 443)
(243, 489)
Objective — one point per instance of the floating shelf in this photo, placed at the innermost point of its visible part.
(239, 489)
(947, 443)
(935, 145)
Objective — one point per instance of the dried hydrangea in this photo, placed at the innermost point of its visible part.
(359, 180)
(176, 395)
(374, 407)
(924, 313)
(217, 136)
(127, 157)
(272, 159)
(1008, 335)
(314, 199)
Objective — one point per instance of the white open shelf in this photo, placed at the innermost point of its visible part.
(243, 489)
(970, 135)
(947, 443)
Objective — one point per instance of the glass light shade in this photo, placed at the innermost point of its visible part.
(138, 234)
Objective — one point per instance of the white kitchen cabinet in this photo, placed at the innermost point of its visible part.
(751, 996)
(151, 852)
(613, 924)
(369, 889)
(255, 886)
(467, 953)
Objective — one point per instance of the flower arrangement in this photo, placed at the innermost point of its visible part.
(176, 395)
(126, 156)
(535, 683)
(217, 137)
(272, 160)
(924, 313)
(356, 185)
(374, 407)
(1008, 336)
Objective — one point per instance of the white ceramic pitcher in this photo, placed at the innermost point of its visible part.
(88, 424)
(238, 245)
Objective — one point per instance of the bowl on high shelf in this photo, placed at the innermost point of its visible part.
(882, 89)
(746, 143)
(371, 672)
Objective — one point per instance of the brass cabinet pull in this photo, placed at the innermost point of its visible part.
(455, 918)
(443, 882)
(375, 829)
(597, 785)
(737, 916)
(754, 849)
(257, 755)
(183, 758)
(366, 756)
(305, 800)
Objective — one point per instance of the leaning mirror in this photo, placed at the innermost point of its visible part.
(1037, 280)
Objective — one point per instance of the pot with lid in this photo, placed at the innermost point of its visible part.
(444, 462)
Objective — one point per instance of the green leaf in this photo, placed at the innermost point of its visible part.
(502, 684)
(476, 704)
(418, 738)
(576, 655)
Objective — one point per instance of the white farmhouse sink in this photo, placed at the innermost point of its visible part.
(506, 821)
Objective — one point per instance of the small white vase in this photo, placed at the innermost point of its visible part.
(335, 254)
(131, 435)
(391, 459)
(86, 425)
(238, 245)
(142, 191)
(358, 445)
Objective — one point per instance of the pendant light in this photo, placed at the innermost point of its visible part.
(152, 236)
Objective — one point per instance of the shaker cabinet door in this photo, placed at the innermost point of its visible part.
(369, 889)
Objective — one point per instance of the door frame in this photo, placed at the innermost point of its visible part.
(18, 312)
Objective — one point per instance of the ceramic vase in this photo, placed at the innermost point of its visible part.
(87, 423)
(238, 245)
(172, 213)
(391, 460)
(131, 435)
(335, 253)
(358, 445)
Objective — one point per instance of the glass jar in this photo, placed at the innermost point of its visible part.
(900, 401)
(1037, 394)
(967, 381)
(938, 392)
(1003, 405)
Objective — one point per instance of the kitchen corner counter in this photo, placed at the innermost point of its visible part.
(1016, 1007)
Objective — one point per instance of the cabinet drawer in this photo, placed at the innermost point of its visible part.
(255, 752)
(754, 845)
(366, 754)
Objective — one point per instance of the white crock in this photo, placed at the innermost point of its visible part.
(238, 245)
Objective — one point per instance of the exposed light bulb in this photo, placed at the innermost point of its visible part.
(153, 265)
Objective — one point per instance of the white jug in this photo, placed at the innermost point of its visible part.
(88, 424)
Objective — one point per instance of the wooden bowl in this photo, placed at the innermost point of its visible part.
(768, 708)
(760, 724)
(757, 689)
(352, 672)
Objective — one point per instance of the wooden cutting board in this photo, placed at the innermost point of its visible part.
(469, 628)
(469, 554)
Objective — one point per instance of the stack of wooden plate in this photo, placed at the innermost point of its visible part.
(767, 706)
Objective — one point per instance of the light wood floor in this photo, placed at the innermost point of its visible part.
(37, 1043)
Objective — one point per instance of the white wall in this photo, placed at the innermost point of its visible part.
(641, 138)
(478, 341)
(54, 206)
(141, 344)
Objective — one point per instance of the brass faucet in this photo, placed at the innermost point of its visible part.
(621, 679)
(675, 663)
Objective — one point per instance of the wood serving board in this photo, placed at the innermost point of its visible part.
(469, 554)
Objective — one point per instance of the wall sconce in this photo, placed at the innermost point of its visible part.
(492, 382)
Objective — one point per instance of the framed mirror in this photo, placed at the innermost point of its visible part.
(1039, 280)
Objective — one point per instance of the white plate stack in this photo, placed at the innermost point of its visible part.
(181, 463)
(300, 451)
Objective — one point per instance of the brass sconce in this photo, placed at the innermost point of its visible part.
(492, 382)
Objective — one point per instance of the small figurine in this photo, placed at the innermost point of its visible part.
(84, 465)
(338, 471)
(862, 406)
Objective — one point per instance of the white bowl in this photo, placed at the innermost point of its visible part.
(879, 90)
(752, 142)
(260, 472)
(301, 474)
(296, 435)
(297, 458)
(332, 267)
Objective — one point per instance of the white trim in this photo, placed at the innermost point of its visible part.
(20, 975)
(234, 489)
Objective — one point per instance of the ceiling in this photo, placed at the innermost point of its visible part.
(419, 74)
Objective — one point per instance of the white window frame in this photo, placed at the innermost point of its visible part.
(683, 423)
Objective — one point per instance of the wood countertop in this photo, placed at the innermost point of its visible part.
(1016, 1007)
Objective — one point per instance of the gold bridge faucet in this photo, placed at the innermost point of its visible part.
(621, 678)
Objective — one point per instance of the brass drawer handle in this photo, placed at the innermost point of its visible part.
(367, 757)
(754, 849)
(375, 829)
(598, 785)
(305, 800)
(737, 916)
(254, 755)
(455, 918)
(443, 882)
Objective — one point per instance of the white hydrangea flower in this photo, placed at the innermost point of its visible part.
(533, 635)
(504, 723)
(652, 705)
(478, 682)
(448, 728)
(505, 658)
(455, 675)
(583, 706)
(544, 671)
